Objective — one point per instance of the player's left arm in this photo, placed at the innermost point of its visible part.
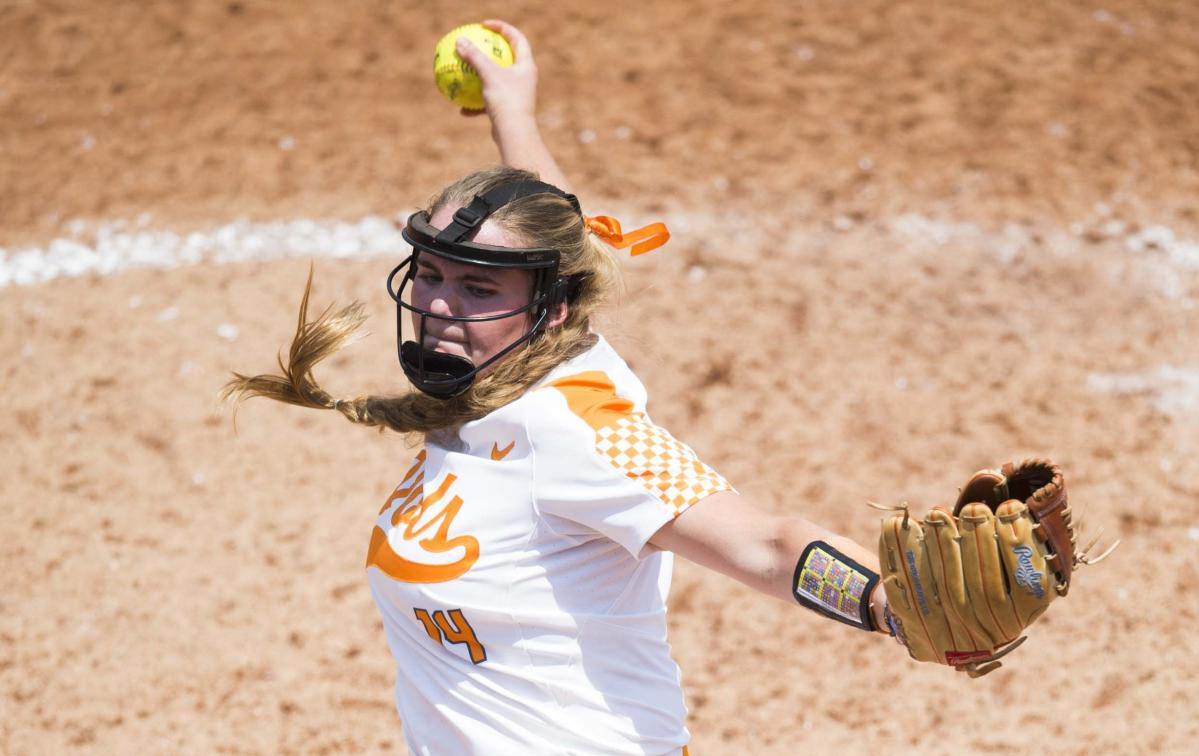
(511, 97)
(727, 533)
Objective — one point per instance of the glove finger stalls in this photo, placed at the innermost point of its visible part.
(905, 570)
(1024, 559)
(945, 557)
(984, 574)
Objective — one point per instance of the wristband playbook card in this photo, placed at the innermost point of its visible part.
(834, 585)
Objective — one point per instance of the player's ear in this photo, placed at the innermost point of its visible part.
(557, 315)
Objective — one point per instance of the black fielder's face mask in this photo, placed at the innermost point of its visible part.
(447, 375)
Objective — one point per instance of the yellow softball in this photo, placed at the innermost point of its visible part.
(455, 77)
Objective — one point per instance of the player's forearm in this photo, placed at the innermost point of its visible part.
(725, 532)
(521, 146)
(774, 570)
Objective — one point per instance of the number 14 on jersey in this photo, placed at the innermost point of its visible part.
(453, 627)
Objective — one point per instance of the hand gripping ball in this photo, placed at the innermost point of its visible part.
(455, 77)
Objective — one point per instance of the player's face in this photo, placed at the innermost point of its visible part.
(444, 287)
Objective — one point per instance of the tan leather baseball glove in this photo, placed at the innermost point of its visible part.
(962, 586)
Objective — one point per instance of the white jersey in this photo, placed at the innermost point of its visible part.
(523, 604)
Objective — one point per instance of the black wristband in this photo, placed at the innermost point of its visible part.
(828, 582)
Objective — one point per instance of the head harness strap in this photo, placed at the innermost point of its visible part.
(467, 220)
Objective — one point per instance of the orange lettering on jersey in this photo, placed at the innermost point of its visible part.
(592, 396)
(417, 557)
(413, 480)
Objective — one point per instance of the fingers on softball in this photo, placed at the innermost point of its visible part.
(456, 78)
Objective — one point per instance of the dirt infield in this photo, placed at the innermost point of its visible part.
(910, 241)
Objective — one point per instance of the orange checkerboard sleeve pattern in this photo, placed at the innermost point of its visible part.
(641, 450)
(652, 457)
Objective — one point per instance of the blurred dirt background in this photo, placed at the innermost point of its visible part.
(911, 240)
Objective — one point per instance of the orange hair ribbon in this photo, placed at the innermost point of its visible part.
(642, 240)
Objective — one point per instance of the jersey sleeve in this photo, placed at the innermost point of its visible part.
(602, 466)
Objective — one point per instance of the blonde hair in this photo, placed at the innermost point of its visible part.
(539, 220)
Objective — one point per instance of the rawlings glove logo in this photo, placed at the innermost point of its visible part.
(1027, 576)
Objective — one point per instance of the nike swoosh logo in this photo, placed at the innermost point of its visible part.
(497, 453)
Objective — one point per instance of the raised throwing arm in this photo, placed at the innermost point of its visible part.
(511, 98)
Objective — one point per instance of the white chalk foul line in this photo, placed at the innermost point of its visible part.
(1172, 389)
(114, 247)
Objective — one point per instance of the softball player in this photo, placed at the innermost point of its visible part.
(522, 564)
